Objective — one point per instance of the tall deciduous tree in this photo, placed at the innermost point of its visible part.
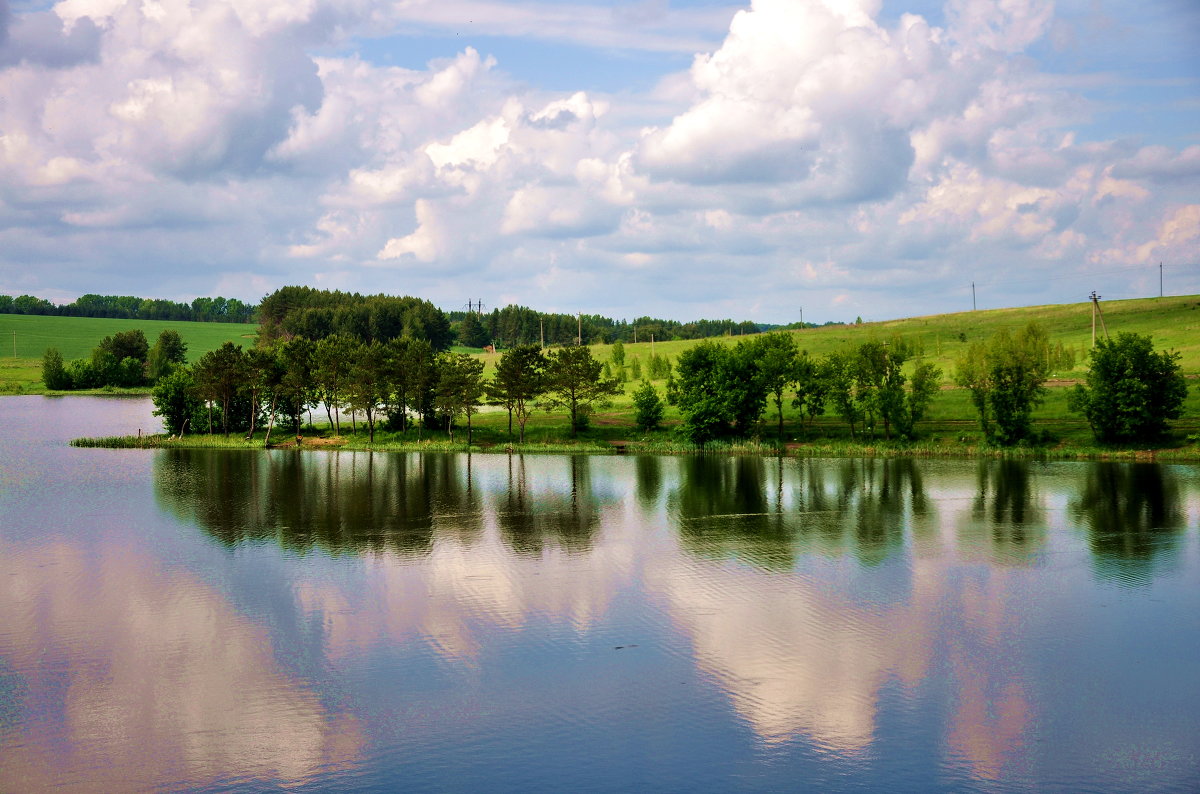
(1132, 391)
(518, 381)
(368, 386)
(777, 354)
(177, 400)
(331, 372)
(296, 386)
(459, 388)
(699, 390)
(1006, 377)
(219, 374)
(574, 384)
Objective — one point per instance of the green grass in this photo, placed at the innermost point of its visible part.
(76, 336)
(1173, 322)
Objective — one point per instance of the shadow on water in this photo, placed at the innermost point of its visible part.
(533, 513)
(1134, 518)
(338, 502)
(769, 510)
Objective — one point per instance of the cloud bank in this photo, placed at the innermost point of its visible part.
(820, 154)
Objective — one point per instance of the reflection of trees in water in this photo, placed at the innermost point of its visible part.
(1133, 514)
(339, 502)
(722, 509)
(648, 469)
(762, 508)
(530, 514)
(877, 500)
(1007, 516)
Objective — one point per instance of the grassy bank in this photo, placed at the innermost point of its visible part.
(949, 435)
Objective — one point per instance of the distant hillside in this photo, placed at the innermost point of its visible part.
(1173, 322)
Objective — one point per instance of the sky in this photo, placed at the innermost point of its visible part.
(770, 160)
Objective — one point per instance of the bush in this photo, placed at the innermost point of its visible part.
(177, 400)
(648, 407)
(1131, 391)
(54, 373)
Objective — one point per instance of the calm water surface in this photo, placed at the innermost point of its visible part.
(202, 620)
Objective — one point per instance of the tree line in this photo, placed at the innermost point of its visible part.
(722, 391)
(1131, 391)
(124, 359)
(519, 325)
(129, 307)
(315, 314)
(401, 384)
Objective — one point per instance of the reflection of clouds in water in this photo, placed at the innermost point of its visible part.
(800, 659)
(162, 682)
(461, 593)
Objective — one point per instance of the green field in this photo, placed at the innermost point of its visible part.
(1174, 322)
(76, 336)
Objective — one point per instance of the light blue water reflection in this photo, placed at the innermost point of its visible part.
(208, 620)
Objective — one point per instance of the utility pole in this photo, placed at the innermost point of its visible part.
(651, 345)
(1096, 310)
(579, 329)
(1160, 279)
(542, 330)
(802, 318)
(972, 296)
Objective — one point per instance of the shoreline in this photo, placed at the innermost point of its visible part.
(1182, 454)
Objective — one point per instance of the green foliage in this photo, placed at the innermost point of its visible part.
(54, 373)
(1006, 377)
(1131, 391)
(659, 366)
(635, 368)
(177, 401)
(169, 351)
(332, 359)
(719, 391)
(473, 333)
(219, 375)
(519, 380)
(618, 352)
(837, 374)
(459, 388)
(316, 314)
(574, 384)
(648, 407)
(812, 389)
(776, 356)
(127, 344)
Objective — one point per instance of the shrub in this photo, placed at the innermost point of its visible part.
(54, 373)
(1131, 391)
(648, 407)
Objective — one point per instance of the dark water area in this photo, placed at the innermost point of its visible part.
(260, 621)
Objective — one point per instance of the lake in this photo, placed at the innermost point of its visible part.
(261, 621)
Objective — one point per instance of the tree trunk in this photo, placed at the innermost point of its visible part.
(270, 423)
(253, 414)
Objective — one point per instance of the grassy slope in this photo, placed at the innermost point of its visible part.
(76, 336)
